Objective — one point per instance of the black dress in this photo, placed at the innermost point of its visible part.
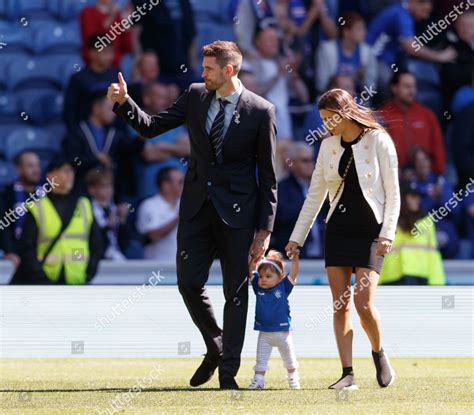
(352, 230)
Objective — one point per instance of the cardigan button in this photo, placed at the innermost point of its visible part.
(367, 161)
(369, 175)
(330, 166)
(334, 152)
(366, 147)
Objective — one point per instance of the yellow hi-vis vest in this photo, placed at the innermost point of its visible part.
(414, 255)
(72, 248)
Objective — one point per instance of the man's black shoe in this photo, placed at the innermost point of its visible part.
(227, 382)
(205, 371)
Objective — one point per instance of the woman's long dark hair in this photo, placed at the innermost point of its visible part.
(340, 101)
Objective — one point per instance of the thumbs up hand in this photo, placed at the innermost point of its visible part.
(118, 92)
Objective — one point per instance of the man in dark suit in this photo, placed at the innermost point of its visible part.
(291, 196)
(229, 196)
(25, 187)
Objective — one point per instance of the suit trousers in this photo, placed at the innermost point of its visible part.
(199, 240)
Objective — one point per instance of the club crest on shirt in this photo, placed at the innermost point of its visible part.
(278, 294)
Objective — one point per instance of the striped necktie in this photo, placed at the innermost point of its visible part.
(217, 130)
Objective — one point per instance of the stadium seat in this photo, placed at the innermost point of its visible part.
(56, 39)
(7, 173)
(67, 10)
(14, 38)
(3, 9)
(31, 72)
(5, 130)
(44, 108)
(6, 59)
(55, 132)
(9, 108)
(27, 10)
(34, 139)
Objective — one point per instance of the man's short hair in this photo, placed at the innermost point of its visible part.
(164, 175)
(96, 176)
(57, 163)
(96, 96)
(17, 160)
(397, 76)
(225, 53)
(350, 19)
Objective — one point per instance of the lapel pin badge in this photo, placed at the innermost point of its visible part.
(236, 117)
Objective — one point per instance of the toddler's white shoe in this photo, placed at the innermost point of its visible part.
(258, 382)
(294, 380)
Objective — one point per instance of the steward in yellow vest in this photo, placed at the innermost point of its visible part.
(73, 257)
(415, 258)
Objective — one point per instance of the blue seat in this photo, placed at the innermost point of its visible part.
(8, 103)
(6, 129)
(10, 110)
(7, 173)
(56, 39)
(67, 10)
(34, 139)
(32, 72)
(43, 108)
(14, 38)
(3, 9)
(27, 10)
(6, 59)
(56, 132)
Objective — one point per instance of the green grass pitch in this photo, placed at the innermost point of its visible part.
(160, 386)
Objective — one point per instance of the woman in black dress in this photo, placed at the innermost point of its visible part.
(357, 166)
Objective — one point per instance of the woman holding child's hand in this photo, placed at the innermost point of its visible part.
(357, 166)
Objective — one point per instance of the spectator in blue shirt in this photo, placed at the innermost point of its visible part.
(462, 98)
(347, 56)
(434, 188)
(436, 195)
(392, 35)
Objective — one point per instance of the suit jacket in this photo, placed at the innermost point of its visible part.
(376, 164)
(243, 188)
(8, 241)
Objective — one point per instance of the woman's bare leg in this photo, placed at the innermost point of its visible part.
(364, 294)
(340, 283)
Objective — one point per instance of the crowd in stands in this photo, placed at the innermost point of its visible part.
(386, 53)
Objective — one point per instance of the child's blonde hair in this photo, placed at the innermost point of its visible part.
(276, 257)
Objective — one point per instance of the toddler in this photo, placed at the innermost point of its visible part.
(272, 315)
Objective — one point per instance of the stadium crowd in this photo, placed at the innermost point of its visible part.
(55, 71)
